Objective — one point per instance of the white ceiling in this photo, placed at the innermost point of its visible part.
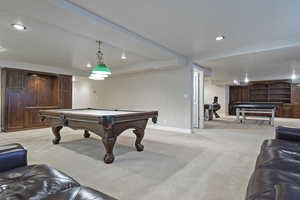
(190, 27)
(48, 41)
(264, 65)
(52, 46)
(260, 35)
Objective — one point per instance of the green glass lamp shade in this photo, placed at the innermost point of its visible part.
(101, 69)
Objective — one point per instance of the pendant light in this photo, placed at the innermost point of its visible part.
(246, 78)
(101, 71)
(294, 76)
(123, 56)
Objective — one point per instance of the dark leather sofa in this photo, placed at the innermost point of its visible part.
(38, 182)
(277, 170)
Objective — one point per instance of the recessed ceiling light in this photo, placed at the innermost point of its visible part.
(89, 65)
(220, 37)
(19, 27)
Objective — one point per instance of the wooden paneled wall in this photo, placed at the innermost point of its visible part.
(24, 93)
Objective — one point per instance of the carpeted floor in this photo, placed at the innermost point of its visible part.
(213, 164)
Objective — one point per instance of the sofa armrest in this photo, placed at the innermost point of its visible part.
(286, 133)
(12, 156)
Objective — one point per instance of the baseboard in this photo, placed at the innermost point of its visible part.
(171, 129)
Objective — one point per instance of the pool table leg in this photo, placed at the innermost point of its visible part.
(86, 134)
(109, 143)
(56, 133)
(139, 137)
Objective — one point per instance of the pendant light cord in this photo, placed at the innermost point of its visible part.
(99, 53)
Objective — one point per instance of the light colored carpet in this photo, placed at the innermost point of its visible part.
(212, 164)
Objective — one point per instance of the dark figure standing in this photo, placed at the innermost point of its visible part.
(216, 107)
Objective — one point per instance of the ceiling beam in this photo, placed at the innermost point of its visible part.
(155, 65)
(245, 51)
(101, 20)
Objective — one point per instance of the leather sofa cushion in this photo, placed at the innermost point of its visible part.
(263, 181)
(288, 135)
(285, 128)
(274, 166)
(280, 144)
(33, 182)
(287, 192)
(278, 156)
(278, 164)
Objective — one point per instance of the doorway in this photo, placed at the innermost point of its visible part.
(198, 99)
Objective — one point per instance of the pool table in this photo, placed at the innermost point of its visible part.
(108, 124)
(267, 108)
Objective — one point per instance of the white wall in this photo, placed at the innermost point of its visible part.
(87, 93)
(167, 91)
(211, 90)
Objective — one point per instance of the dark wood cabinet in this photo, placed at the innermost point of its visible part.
(24, 93)
(237, 94)
(295, 99)
(14, 110)
(296, 110)
(65, 92)
(283, 91)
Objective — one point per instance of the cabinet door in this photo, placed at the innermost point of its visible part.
(285, 111)
(296, 111)
(65, 91)
(288, 111)
(244, 94)
(238, 94)
(14, 109)
(32, 119)
(234, 94)
(295, 93)
(15, 79)
(14, 104)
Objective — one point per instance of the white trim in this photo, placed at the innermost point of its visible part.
(245, 51)
(146, 66)
(206, 71)
(200, 93)
(169, 128)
